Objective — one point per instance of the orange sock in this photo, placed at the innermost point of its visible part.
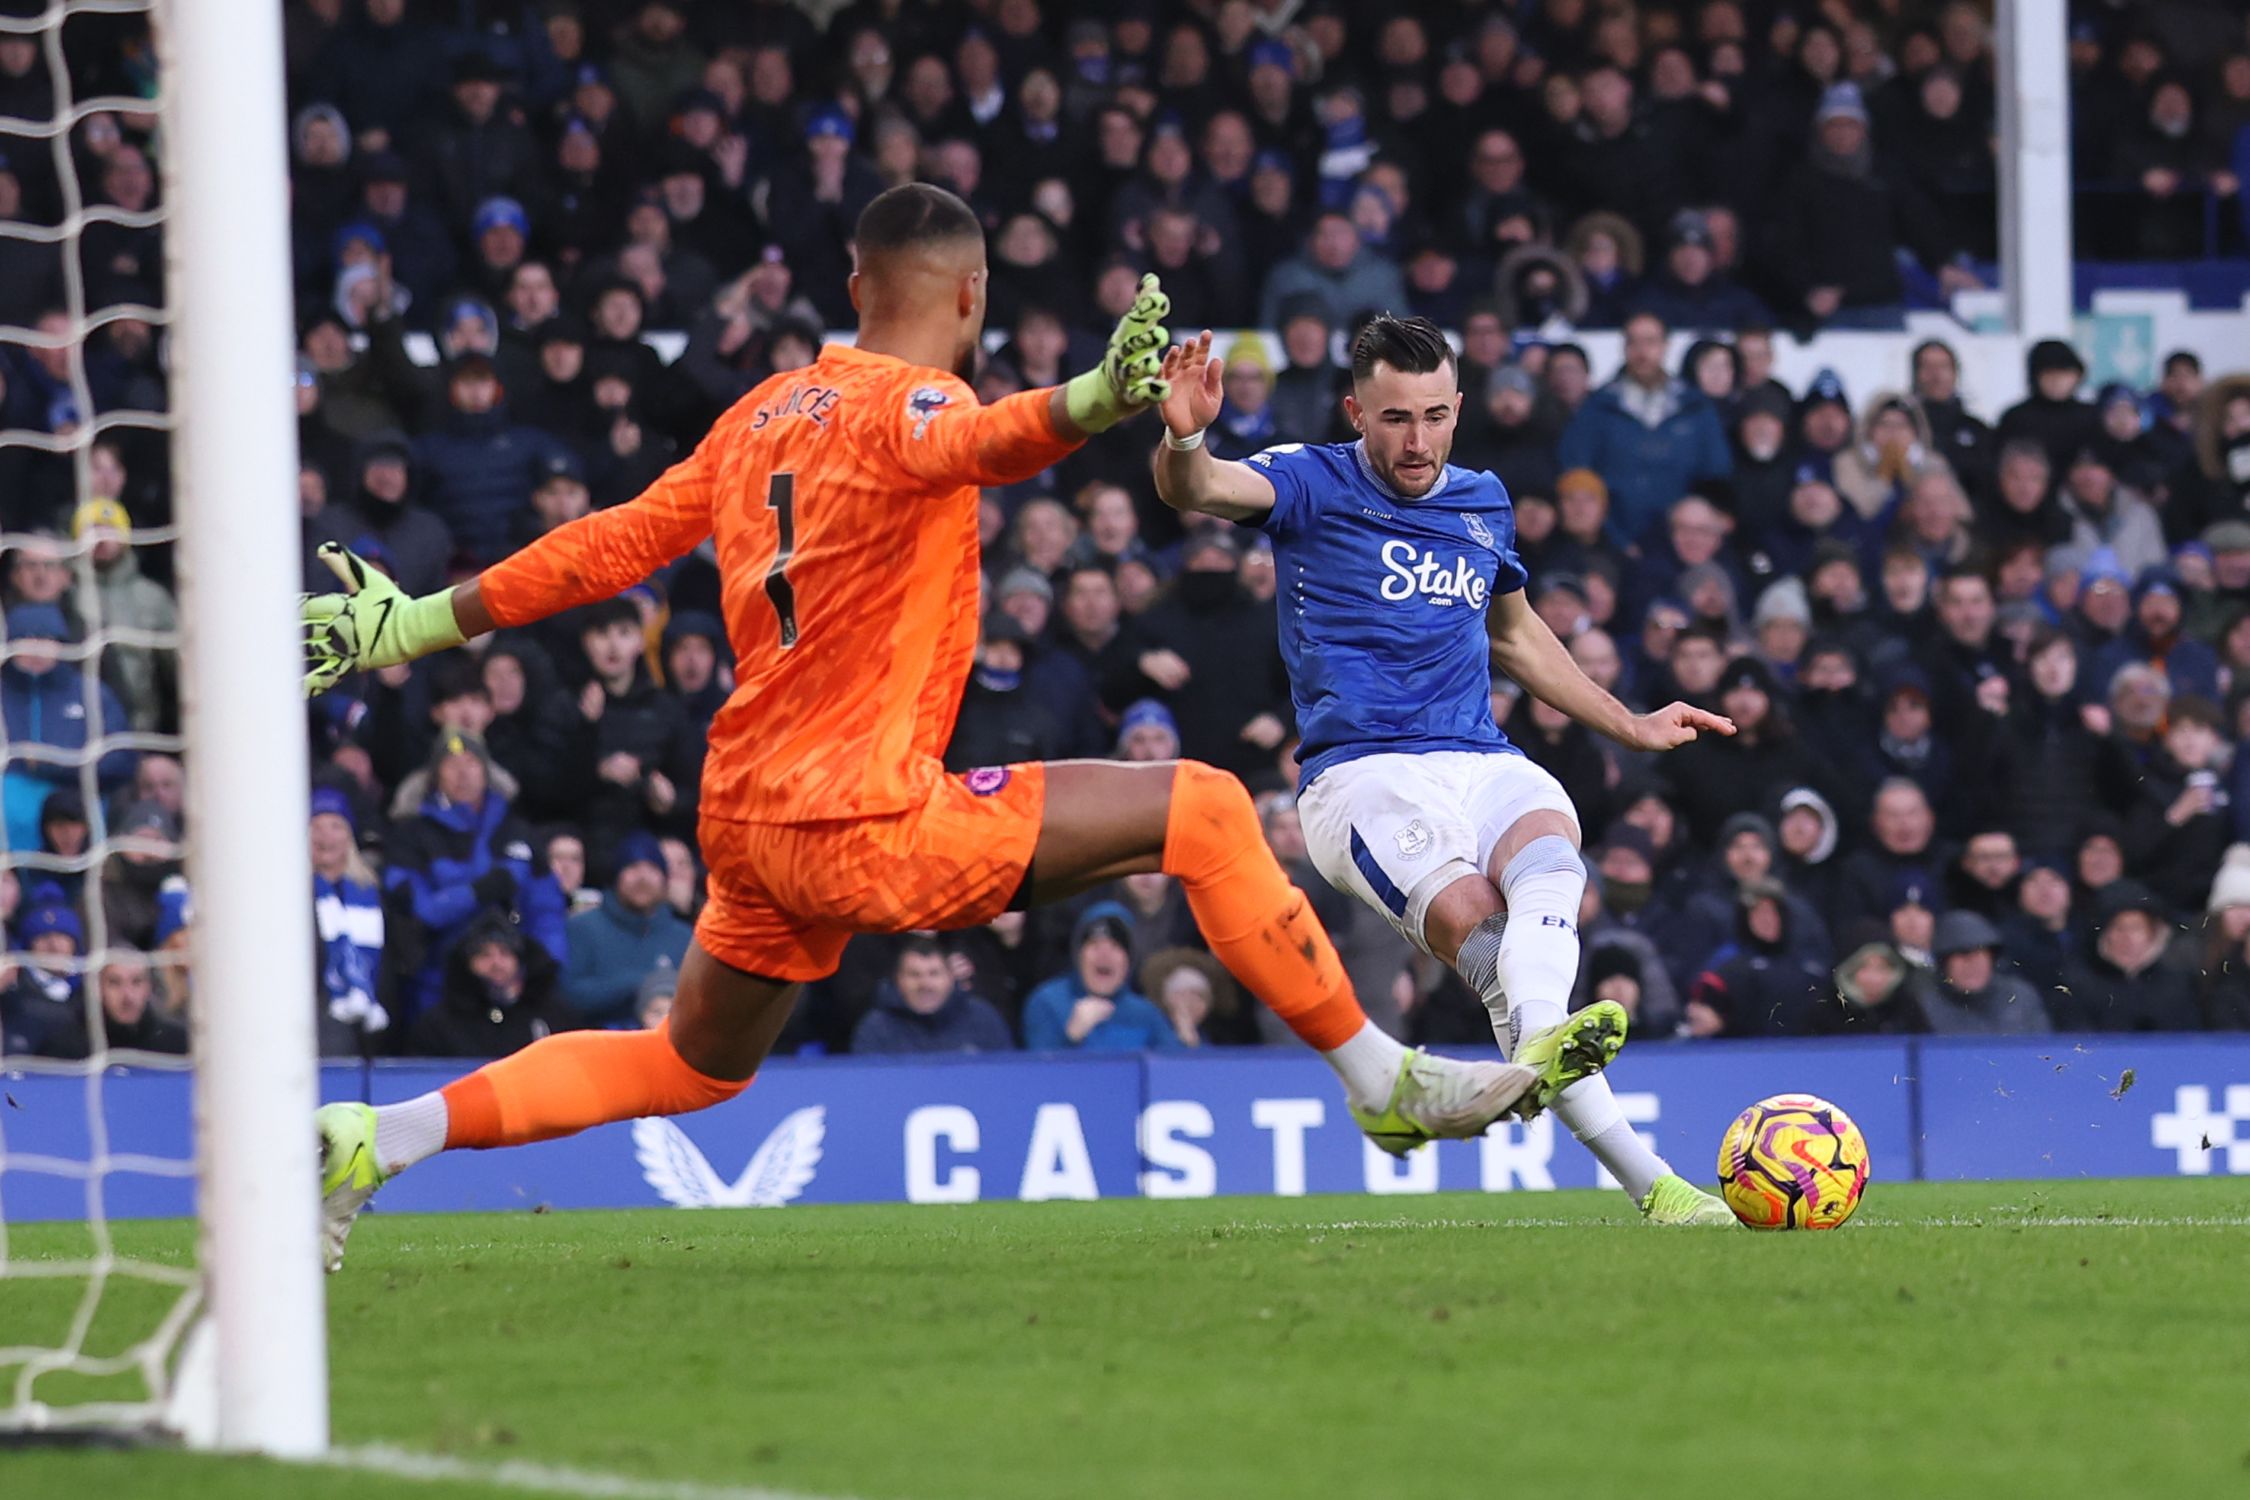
(564, 1083)
(1259, 925)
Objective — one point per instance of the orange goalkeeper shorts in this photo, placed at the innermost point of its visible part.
(786, 897)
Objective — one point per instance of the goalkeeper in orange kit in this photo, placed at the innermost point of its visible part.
(842, 499)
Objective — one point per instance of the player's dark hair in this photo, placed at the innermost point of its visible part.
(912, 215)
(1413, 346)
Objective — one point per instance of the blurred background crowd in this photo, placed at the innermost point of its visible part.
(1991, 666)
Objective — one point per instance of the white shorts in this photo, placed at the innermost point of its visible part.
(1394, 830)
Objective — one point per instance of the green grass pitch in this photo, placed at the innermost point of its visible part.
(1990, 1339)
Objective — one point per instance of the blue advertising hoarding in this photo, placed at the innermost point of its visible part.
(957, 1130)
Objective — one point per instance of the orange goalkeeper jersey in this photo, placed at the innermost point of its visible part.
(842, 499)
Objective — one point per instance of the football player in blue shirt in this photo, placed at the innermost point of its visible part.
(1400, 590)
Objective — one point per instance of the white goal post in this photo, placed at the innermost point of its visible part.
(235, 475)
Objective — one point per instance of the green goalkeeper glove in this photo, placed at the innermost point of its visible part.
(1127, 380)
(370, 624)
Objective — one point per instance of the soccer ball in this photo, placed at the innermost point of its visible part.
(1792, 1162)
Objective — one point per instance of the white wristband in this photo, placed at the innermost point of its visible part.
(1188, 444)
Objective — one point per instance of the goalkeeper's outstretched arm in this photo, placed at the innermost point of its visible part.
(374, 624)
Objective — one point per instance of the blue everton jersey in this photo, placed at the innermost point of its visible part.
(1382, 603)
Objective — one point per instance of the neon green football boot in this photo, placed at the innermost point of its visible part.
(349, 1173)
(1672, 1199)
(1578, 1046)
(1443, 1098)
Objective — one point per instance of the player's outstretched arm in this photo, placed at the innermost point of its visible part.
(1187, 476)
(1524, 648)
(947, 437)
(1127, 381)
(374, 623)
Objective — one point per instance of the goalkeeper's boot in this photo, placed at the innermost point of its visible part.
(1672, 1199)
(1443, 1098)
(1578, 1046)
(349, 1173)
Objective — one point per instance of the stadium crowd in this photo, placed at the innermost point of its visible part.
(1991, 668)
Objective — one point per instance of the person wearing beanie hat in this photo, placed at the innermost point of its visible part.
(1782, 621)
(1515, 436)
(1842, 224)
(43, 699)
(2136, 977)
(2156, 637)
(1976, 994)
(126, 597)
(2226, 944)
(2052, 415)
(499, 996)
(461, 852)
(2040, 934)
(2230, 892)
(1806, 833)
(149, 857)
(1147, 731)
(698, 666)
(1093, 1006)
(652, 1002)
(480, 462)
(348, 922)
(616, 945)
(1690, 290)
(1005, 718)
(1770, 980)
(1878, 991)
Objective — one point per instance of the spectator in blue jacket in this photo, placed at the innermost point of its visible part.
(1094, 1007)
(482, 465)
(44, 699)
(921, 1009)
(348, 922)
(44, 1008)
(1652, 438)
(464, 853)
(617, 944)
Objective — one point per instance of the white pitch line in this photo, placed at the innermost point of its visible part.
(2009, 1218)
(553, 1479)
(2018, 1220)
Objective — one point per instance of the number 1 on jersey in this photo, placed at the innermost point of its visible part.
(781, 499)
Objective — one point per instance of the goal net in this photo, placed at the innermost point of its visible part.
(155, 1010)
